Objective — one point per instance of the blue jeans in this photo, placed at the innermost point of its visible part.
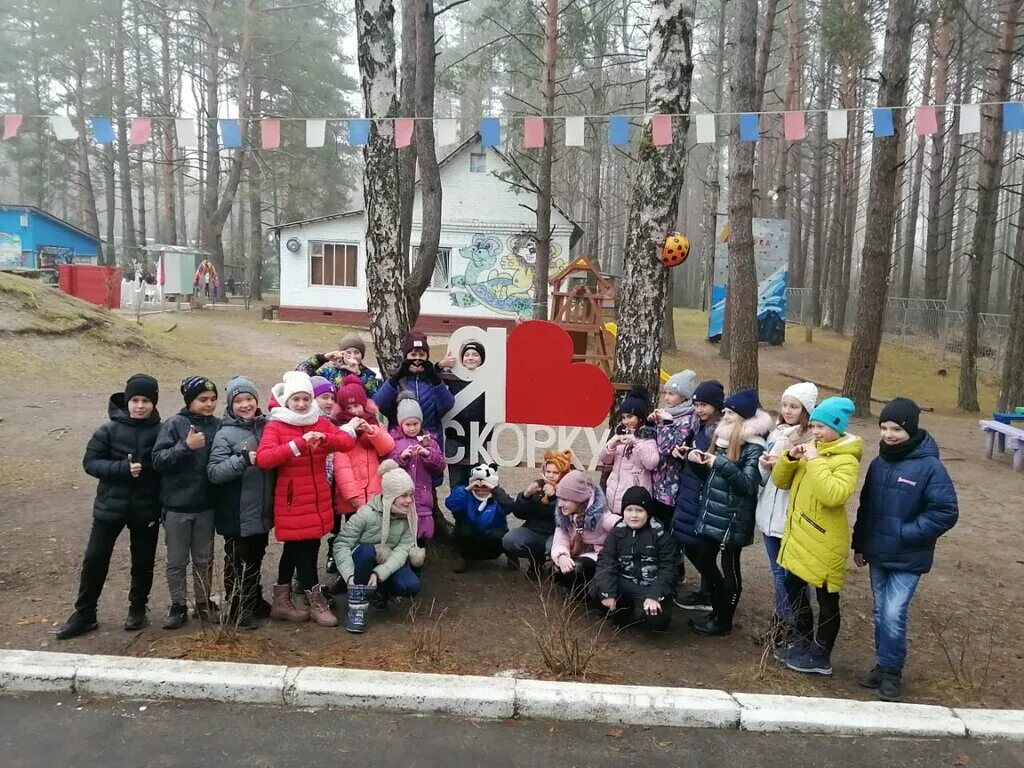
(402, 583)
(893, 591)
(782, 609)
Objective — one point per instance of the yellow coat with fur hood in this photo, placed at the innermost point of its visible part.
(816, 539)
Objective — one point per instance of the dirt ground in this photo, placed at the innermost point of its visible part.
(966, 622)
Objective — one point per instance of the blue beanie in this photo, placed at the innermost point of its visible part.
(711, 392)
(834, 412)
(636, 403)
(744, 403)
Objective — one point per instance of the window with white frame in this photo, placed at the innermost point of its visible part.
(478, 162)
(333, 264)
(440, 279)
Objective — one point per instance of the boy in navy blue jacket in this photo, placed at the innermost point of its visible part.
(907, 503)
(480, 509)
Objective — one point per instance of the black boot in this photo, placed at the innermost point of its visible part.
(261, 608)
(137, 617)
(176, 616)
(76, 625)
(890, 686)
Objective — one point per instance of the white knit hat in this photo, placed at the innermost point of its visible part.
(806, 393)
(394, 482)
(408, 407)
(293, 382)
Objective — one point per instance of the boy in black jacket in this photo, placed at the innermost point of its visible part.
(636, 570)
(180, 456)
(119, 454)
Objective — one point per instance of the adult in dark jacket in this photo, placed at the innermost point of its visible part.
(119, 455)
(536, 507)
(243, 501)
(908, 501)
(728, 505)
(636, 570)
(180, 455)
(472, 355)
(708, 398)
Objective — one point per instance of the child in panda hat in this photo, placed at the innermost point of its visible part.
(480, 509)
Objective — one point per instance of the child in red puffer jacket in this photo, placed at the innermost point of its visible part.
(296, 442)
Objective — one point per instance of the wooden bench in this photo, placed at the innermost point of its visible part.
(996, 430)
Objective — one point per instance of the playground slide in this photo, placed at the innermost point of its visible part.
(613, 330)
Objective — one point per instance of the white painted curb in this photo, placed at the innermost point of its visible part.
(628, 704)
(804, 714)
(487, 697)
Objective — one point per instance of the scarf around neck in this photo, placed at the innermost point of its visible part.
(295, 419)
(900, 451)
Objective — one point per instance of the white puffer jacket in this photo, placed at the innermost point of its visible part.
(772, 503)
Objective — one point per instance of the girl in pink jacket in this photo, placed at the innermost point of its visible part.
(582, 523)
(633, 450)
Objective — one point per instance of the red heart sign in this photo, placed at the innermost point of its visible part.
(544, 385)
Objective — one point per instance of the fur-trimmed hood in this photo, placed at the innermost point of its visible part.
(755, 429)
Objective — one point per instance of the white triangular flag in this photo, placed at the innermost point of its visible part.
(185, 130)
(838, 124)
(63, 128)
(970, 118)
(575, 131)
(315, 132)
(706, 133)
(445, 131)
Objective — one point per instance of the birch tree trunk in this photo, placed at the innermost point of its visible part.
(742, 294)
(875, 256)
(407, 108)
(986, 207)
(386, 269)
(654, 199)
(543, 235)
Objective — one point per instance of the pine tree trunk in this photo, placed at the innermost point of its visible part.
(742, 295)
(170, 228)
(938, 186)
(712, 173)
(654, 200)
(875, 257)
(837, 234)
(542, 265)
(818, 200)
(986, 207)
(386, 269)
(85, 188)
(1011, 389)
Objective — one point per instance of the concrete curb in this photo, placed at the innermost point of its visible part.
(487, 697)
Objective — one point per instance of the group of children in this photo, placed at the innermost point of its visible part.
(341, 452)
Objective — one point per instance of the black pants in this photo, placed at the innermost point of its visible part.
(474, 545)
(828, 612)
(629, 608)
(725, 585)
(96, 562)
(243, 560)
(299, 558)
(578, 580)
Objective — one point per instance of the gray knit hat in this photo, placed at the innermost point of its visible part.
(408, 407)
(239, 385)
(682, 383)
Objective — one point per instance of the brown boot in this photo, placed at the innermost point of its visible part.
(282, 609)
(319, 611)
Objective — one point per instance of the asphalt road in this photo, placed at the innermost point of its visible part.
(53, 732)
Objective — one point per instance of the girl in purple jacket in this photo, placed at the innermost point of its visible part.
(419, 454)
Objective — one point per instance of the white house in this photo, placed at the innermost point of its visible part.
(484, 271)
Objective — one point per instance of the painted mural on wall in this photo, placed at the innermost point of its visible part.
(497, 273)
(10, 250)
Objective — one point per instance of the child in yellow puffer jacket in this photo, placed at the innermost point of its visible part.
(821, 477)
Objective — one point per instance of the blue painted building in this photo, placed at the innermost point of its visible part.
(32, 238)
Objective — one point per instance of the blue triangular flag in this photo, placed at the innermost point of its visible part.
(358, 132)
(230, 134)
(881, 118)
(102, 130)
(490, 131)
(1013, 116)
(750, 126)
(618, 130)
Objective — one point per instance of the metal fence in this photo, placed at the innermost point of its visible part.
(927, 325)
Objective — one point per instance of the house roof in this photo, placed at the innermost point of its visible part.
(577, 230)
(51, 217)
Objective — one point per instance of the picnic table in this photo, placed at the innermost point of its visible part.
(998, 431)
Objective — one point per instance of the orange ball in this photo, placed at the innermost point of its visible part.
(675, 250)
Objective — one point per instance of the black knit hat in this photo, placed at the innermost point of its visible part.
(902, 411)
(711, 392)
(142, 385)
(636, 403)
(744, 403)
(640, 497)
(193, 386)
(476, 346)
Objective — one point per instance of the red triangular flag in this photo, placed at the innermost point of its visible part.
(533, 132)
(141, 131)
(404, 127)
(661, 130)
(11, 125)
(270, 134)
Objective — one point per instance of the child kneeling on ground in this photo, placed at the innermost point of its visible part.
(907, 503)
(120, 456)
(636, 570)
(535, 506)
(376, 549)
(479, 509)
(582, 523)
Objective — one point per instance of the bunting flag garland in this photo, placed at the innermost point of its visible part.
(141, 131)
(11, 125)
(791, 124)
